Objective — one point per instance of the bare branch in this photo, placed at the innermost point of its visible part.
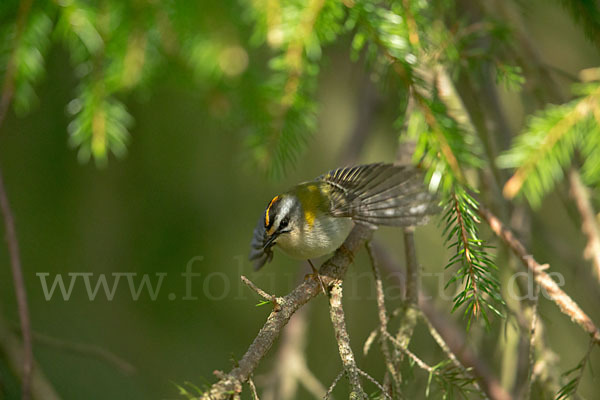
(446, 349)
(589, 226)
(258, 290)
(21, 293)
(412, 266)
(86, 350)
(262, 293)
(409, 353)
(440, 341)
(383, 319)
(331, 271)
(532, 342)
(336, 312)
(566, 305)
(374, 381)
(332, 386)
(8, 89)
(370, 339)
(11, 349)
(409, 313)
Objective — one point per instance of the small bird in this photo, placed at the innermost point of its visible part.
(314, 218)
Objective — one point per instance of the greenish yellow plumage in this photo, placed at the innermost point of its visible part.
(313, 198)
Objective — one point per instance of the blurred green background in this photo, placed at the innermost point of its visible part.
(186, 189)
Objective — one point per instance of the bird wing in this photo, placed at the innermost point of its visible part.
(380, 194)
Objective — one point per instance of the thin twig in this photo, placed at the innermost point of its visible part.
(440, 341)
(446, 349)
(253, 389)
(333, 269)
(336, 312)
(332, 386)
(262, 293)
(426, 367)
(11, 349)
(409, 314)
(409, 353)
(583, 363)
(564, 302)
(258, 290)
(375, 332)
(374, 381)
(370, 339)
(532, 342)
(589, 225)
(86, 350)
(453, 336)
(383, 318)
(412, 266)
(21, 293)
(8, 89)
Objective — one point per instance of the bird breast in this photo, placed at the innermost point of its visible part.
(323, 236)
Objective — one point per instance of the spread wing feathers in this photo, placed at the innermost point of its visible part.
(258, 253)
(380, 194)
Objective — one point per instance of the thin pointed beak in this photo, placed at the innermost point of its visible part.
(271, 240)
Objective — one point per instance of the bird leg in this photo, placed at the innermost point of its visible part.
(316, 276)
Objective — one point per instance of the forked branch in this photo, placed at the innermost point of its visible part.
(331, 271)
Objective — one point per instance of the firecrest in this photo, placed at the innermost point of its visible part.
(314, 218)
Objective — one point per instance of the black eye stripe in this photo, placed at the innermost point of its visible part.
(284, 222)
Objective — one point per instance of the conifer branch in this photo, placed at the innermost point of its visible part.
(472, 277)
(8, 87)
(564, 302)
(480, 287)
(294, 52)
(562, 127)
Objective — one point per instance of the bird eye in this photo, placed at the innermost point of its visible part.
(284, 222)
